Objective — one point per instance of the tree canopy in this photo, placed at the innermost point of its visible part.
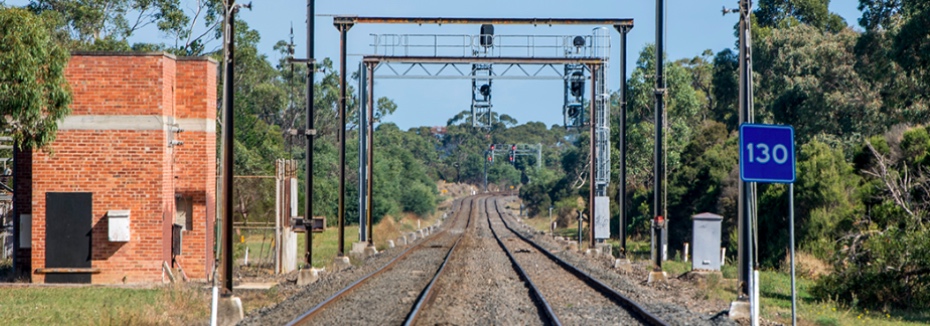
(34, 94)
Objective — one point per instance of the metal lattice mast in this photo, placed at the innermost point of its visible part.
(602, 120)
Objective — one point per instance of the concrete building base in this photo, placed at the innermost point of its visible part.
(229, 311)
(656, 277)
(341, 263)
(739, 309)
(308, 276)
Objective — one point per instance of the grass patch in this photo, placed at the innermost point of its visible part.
(172, 305)
(325, 246)
(538, 223)
(776, 295)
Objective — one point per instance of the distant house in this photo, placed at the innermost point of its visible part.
(127, 189)
(438, 131)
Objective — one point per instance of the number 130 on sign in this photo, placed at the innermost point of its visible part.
(767, 153)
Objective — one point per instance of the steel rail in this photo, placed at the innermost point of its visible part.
(428, 291)
(537, 296)
(319, 307)
(637, 310)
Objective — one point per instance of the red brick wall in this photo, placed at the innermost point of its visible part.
(195, 161)
(129, 166)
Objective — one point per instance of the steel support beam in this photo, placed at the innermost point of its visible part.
(746, 197)
(621, 189)
(371, 151)
(477, 21)
(592, 187)
(363, 154)
(343, 31)
(308, 200)
(658, 166)
(482, 60)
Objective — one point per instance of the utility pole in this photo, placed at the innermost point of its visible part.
(311, 134)
(227, 144)
(743, 307)
(343, 30)
(621, 190)
(658, 167)
(746, 197)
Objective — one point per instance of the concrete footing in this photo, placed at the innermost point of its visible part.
(308, 276)
(739, 309)
(402, 241)
(370, 251)
(622, 263)
(606, 249)
(656, 277)
(358, 248)
(412, 236)
(229, 310)
(390, 243)
(341, 262)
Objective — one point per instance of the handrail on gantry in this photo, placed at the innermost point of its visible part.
(619, 22)
(469, 60)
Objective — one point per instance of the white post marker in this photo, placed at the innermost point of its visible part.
(794, 302)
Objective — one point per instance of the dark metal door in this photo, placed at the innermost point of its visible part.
(68, 224)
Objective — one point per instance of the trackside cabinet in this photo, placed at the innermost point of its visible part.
(706, 238)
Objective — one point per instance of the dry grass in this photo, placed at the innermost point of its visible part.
(807, 266)
(94, 305)
(386, 230)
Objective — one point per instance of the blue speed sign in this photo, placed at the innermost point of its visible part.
(766, 153)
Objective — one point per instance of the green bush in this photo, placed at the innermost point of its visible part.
(419, 199)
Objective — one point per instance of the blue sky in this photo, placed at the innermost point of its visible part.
(692, 27)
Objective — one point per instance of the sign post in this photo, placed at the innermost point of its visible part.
(767, 156)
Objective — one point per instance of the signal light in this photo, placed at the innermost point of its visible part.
(492, 147)
(578, 41)
(513, 147)
(487, 35)
(573, 111)
(577, 84)
(485, 90)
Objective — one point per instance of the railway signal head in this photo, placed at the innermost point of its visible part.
(577, 84)
(573, 111)
(486, 38)
(485, 90)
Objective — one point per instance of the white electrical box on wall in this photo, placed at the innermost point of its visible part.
(118, 221)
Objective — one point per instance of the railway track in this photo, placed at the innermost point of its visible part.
(476, 270)
(362, 302)
(572, 296)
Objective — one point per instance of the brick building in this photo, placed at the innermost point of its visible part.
(101, 205)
